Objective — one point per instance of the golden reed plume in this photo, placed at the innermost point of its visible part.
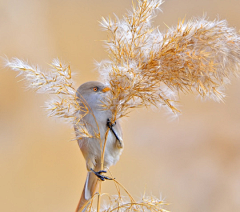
(146, 67)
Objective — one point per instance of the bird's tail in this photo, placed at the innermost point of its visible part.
(89, 189)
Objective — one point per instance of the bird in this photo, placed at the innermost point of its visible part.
(98, 119)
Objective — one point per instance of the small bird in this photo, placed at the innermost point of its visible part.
(97, 121)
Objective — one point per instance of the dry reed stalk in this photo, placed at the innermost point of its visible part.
(145, 67)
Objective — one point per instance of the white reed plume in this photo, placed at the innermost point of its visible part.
(197, 55)
(57, 81)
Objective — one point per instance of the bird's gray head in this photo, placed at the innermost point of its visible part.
(93, 92)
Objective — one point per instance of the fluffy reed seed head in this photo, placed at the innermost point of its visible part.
(146, 67)
(146, 204)
(57, 81)
(120, 203)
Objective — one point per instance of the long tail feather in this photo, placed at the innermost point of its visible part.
(89, 190)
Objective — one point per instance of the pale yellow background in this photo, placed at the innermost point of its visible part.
(192, 162)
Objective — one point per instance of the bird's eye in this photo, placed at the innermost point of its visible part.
(95, 89)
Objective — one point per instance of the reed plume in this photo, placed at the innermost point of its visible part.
(145, 67)
(57, 81)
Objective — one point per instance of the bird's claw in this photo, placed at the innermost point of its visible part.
(100, 176)
(110, 124)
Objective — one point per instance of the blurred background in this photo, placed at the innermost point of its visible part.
(192, 162)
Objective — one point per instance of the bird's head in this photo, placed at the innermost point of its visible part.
(93, 92)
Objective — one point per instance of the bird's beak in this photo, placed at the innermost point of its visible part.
(106, 89)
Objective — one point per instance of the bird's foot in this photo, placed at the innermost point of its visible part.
(110, 124)
(100, 176)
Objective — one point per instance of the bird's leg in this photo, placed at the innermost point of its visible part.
(110, 125)
(100, 176)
